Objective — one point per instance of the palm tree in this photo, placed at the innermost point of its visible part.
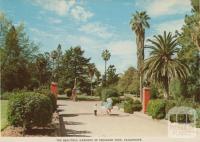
(162, 65)
(106, 56)
(138, 23)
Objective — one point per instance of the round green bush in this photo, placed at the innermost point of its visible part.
(156, 109)
(29, 110)
(128, 105)
(137, 106)
(108, 93)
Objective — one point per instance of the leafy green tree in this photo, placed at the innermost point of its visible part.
(75, 65)
(106, 56)
(163, 65)
(138, 23)
(189, 41)
(14, 69)
(112, 76)
(129, 81)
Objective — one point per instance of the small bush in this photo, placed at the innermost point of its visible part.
(53, 99)
(68, 92)
(108, 93)
(156, 109)
(60, 90)
(29, 110)
(137, 106)
(128, 105)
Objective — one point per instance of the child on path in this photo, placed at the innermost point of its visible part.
(95, 109)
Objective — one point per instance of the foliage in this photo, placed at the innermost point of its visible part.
(115, 100)
(98, 91)
(129, 82)
(138, 23)
(154, 91)
(156, 109)
(17, 53)
(176, 88)
(6, 95)
(169, 105)
(68, 92)
(128, 105)
(163, 65)
(74, 65)
(112, 77)
(137, 106)
(53, 99)
(106, 56)
(189, 41)
(87, 98)
(29, 109)
(108, 93)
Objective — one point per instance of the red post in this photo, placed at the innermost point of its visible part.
(54, 88)
(146, 98)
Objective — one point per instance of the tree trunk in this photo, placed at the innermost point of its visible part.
(105, 73)
(140, 58)
(166, 88)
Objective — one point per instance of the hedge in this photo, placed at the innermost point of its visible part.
(29, 109)
(156, 109)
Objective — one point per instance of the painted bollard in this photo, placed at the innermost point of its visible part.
(146, 98)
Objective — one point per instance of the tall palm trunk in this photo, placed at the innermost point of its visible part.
(140, 58)
(166, 88)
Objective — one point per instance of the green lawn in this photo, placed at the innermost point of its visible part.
(4, 105)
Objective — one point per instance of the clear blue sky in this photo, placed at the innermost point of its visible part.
(95, 25)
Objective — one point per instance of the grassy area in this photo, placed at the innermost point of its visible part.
(4, 105)
(88, 98)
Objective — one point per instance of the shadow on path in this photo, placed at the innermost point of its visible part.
(70, 132)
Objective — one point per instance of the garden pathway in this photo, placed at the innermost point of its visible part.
(77, 120)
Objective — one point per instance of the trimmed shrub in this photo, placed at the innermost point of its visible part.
(68, 92)
(137, 106)
(108, 93)
(53, 99)
(29, 110)
(156, 109)
(128, 105)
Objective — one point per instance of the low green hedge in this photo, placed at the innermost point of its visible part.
(29, 109)
(156, 109)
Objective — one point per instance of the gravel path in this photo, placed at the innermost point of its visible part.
(77, 120)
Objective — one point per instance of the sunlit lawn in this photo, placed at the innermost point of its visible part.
(4, 105)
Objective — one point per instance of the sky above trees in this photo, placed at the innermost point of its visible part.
(95, 25)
